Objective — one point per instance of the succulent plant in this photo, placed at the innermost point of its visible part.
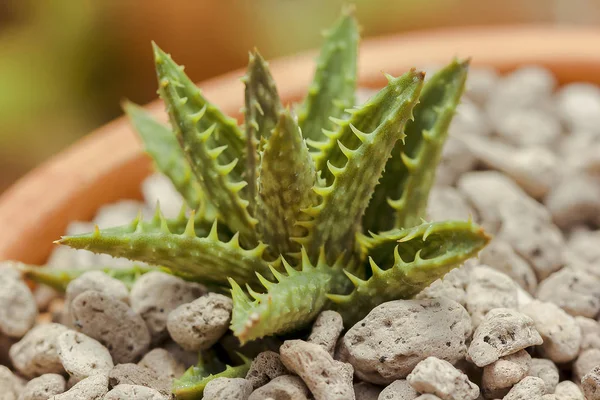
(283, 208)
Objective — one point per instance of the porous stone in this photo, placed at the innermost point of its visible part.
(284, 387)
(447, 204)
(227, 389)
(158, 188)
(574, 290)
(560, 332)
(567, 390)
(590, 333)
(502, 332)
(452, 286)
(265, 367)
(395, 336)
(528, 389)
(547, 371)
(163, 363)
(439, 377)
(325, 377)
(574, 199)
(9, 384)
(578, 104)
(586, 361)
(489, 289)
(112, 323)
(36, 354)
(99, 282)
(590, 384)
(82, 356)
(398, 390)
(133, 392)
(524, 128)
(43, 387)
(366, 391)
(326, 330)
(91, 388)
(198, 325)
(456, 160)
(155, 294)
(500, 376)
(133, 374)
(501, 256)
(481, 82)
(18, 309)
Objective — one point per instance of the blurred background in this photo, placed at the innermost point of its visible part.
(65, 65)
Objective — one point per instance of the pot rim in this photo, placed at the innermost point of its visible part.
(108, 164)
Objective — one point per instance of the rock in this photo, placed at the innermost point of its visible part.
(590, 333)
(578, 104)
(112, 323)
(439, 377)
(227, 389)
(447, 204)
(366, 391)
(36, 354)
(155, 294)
(82, 356)
(559, 330)
(163, 363)
(427, 396)
(567, 390)
(158, 188)
(528, 128)
(502, 332)
(489, 289)
(452, 286)
(575, 291)
(132, 374)
(99, 282)
(585, 246)
(456, 160)
(325, 377)
(284, 387)
(500, 376)
(590, 384)
(92, 388)
(186, 358)
(43, 387)
(198, 325)
(586, 361)
(10, 384)
(326, 330)
(395, 336)
(481, 82)
(574, 199)
(547, 371)
(133, 392)
(5, 345)
(529, 388)
(18, 309)
(398, 390)
(501, 256)
(265, 367)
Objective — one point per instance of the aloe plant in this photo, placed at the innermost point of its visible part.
(285, 205)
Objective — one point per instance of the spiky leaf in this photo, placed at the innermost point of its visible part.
(334, 83)
(419, 256)
(400, 198)
(287, 175)
(199, 134)
(207, 259)
(261, 112)
(364, 143)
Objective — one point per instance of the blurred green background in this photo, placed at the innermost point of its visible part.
(65, 65)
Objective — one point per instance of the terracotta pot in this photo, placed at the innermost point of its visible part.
(109, 164)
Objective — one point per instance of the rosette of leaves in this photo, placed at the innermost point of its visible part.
(300, 210)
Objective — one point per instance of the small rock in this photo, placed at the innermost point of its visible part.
(92, 388)
(398, 390)
(82, 356)
(227, 389)
(500, 376)
(585, 245)
(481, 82)
(325, 377)
(574, 199)
(133, 392)
(489, 289)
(155, 294)
(529, 388)
(547, 371)
(43, 387)
(98, 281)
(439, 377)
(501, 256)
(18, 309)
(456, 160)
(366, 391)
(163, 363)
(578, 104)
(567, 390)
(326, 330)
(559, 330)
(590, 333)
(447, 204)
(587, 360)
(132, 374)
(198, 325)
(452, 286)
(574, 290)
(590, 384)
(395, 336)
(284, 387)
(112, 323)
(10, 384)
(427, 396)
(186, 358)
(529, 128)
(36, 354)
(157, 188)
(503, 331)
(265, 367)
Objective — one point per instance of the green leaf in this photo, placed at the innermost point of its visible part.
(334, 83)
(417, 257)
(205, 259)
(261, 112)
(286, 177)
(400, 198)
(362, 146)
(201, 135)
